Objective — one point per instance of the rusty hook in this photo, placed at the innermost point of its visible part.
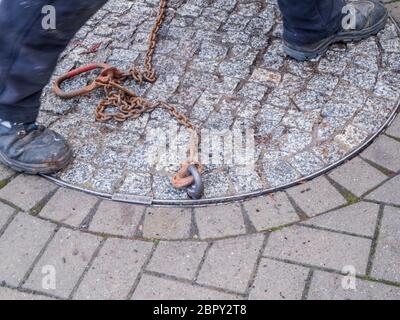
(182, 179)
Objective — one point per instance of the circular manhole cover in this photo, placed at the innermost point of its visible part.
(267, 121)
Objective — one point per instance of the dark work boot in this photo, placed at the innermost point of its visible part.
(370, 18)
(32, 148)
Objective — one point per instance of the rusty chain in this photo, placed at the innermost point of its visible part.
(129, 105)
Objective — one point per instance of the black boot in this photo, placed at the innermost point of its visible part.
(370, 18)
(33, 149)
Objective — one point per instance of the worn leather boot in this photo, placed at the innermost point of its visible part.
(370, 18)
(33, 149)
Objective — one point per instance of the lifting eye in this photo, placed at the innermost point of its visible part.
(195, 191)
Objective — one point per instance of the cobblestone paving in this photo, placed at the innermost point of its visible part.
(296, 244)
(221, 63)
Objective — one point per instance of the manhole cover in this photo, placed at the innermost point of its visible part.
(267, 121)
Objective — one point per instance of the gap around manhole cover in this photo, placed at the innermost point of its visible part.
(228, 74)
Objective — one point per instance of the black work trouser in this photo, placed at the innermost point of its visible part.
(29, 53)
(308, 21)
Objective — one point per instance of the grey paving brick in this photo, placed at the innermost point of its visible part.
(68, 253)
(388, 192)
(394, 129)
(5, 214)
(229, 263)
(20, 244)
(360, 218)
(69, 207)
(179, 259)
(270, 211)
(319, 248)
(26, 191)
(220, 221)
(167, 223)
(15, 295)
(278, 281)
(114, 271)
(357, 176)
(117, 218)
(328, 286)
(154, 288)
(386, 263)
(5, 173)
(316, 196)
(384, 151)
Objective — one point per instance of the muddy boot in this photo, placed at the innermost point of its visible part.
(32, 148)
(370, 18)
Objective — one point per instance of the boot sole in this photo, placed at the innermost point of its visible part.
(32, 169)
(356, 36)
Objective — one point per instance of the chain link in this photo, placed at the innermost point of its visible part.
(127, 102)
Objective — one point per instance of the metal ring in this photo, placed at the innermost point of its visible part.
(74, 93)
(196, 190)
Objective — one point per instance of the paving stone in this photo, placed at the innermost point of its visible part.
(270, 211)
(117, 218)
(179, 259)
(388, 192)
(20, 244)
(5, 214)
(15, 295)
(360, 219)
(351, 137)
(154, 288)
(328, 286)
(316, 196)
(167, 223)
(394, 129)
(26, 191)
(212, 187)
(307, 163)
(229, 263)
(114, 270)
(386, 263)
(280, 174)
(357, 176)
(5, 173)
(220, 221)
(68, 253)
(384, 151)
(319, 248)
(278, 281)
(69, 207)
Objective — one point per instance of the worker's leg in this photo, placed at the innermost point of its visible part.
(28, 56)
(311, 26)
(308, 21)
(29, 53)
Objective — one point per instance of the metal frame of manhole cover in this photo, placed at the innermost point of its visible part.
(202, 202)
(138, 199)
